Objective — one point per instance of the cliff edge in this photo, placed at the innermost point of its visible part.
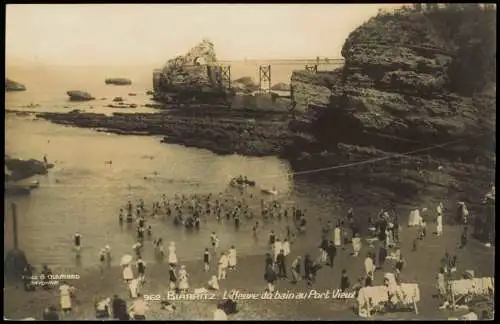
(403, 88)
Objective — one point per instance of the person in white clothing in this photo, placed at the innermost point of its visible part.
(223, 264)
(172, 256)
(128, 274)
(220, 315)
(369, 267)
(138, 309)
(133, 287)
(232, 258)
(356, 245)
(286, 247)
(183, 279)
(439, 225)
(213, 284)
(66, 292)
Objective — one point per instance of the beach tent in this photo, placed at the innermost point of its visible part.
(466, 289)
(373, 299)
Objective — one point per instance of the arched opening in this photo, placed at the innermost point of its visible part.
(200, 61)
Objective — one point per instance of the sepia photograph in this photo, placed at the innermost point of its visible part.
(250, 162)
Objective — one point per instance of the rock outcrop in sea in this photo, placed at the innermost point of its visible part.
(196, 75)
(118, 81)
(11, 85)
(17, 169)
(77, 95)
(402, 89)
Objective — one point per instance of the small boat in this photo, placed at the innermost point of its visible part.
(269, 191)
(243, 181)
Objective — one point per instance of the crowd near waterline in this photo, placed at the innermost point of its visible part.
(278, 222)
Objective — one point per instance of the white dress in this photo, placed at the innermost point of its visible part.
(128, 274)
(183, 279)
(65, 296)
(369, 266)
(220, 315)
(356, 244)
(133, 286)
(337, 239)
(223, 262)
(439, 225)
(278, 246)
(412, 219)
(286, 248)
(172, 256)
(232, 257)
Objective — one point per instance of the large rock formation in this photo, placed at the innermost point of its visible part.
(17, 169)
(11, 85)
(400, 90)
(195, 74)
(309, 88)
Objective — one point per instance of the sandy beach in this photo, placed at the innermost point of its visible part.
(248, 278)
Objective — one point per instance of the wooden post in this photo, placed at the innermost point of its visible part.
(14, 225)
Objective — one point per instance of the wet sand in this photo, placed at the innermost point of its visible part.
(421, 267)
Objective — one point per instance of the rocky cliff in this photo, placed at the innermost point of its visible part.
(402, 89)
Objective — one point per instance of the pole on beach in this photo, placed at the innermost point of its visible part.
(15, 260)
(14, 225)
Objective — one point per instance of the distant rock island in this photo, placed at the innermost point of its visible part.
(77, 95)
(194, 76)
(118, 81)
(11, 85)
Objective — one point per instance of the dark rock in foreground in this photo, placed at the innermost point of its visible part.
(77, 95)
(17, 169)
(11, 85)
(118, 99)
(118, 81)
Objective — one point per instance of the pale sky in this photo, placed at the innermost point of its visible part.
(123, 34)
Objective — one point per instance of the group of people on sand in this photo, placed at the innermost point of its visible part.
(190, 211)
